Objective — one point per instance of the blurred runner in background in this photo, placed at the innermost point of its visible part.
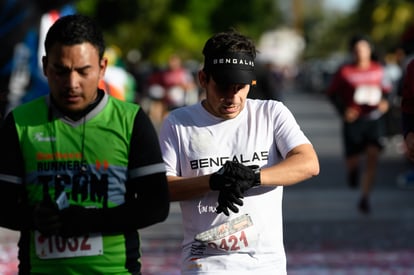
(170, 88)
(359, 92)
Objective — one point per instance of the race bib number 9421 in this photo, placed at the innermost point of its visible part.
(54, 247)
(236, 235)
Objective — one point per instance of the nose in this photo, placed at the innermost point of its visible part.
(73, 79)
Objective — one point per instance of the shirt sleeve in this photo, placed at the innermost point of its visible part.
(145, 149)
(14, 211)
(11, 162)
(288, 133)
(147, 185)
(169, 146)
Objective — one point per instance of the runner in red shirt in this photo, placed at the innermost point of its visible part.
(359, 93)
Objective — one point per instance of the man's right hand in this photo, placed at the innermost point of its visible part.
(228, 199)
(228, 195)
(232, 180)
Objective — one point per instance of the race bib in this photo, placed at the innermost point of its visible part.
(54, 247)
(368, 95)
(236, 235)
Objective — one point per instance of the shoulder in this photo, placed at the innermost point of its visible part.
(266, 110)
(37, 109)
(263, 104)
(349, 66)
(124, 108)
(186, 112)
(32, 104)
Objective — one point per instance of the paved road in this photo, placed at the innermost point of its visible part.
(324, 232)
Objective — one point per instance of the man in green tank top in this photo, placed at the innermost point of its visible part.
(81, 171)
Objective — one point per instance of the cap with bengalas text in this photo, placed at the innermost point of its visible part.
(231, 68)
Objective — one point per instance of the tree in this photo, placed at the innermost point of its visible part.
(384, 21)
(159, 27)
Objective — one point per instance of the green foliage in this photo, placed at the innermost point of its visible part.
(87, 7)
(158, 28)
(383, 20)
(250, 16)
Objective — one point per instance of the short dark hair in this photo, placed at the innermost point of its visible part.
(356, 38)
(75, 29)
(229, 42)
(224, 44)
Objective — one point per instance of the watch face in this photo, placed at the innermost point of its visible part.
(257, 175)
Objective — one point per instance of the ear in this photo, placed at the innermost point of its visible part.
(202, 78)
(103, 64)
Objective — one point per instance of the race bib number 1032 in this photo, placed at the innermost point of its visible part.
(54, 247)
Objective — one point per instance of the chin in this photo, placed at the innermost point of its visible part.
(229, 116)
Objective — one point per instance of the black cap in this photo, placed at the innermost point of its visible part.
(231, 68)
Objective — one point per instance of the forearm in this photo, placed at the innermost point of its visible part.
(121, 218)
(15, 214)
(300, 164)
(146, 203)
(18, 220)
(188, 188)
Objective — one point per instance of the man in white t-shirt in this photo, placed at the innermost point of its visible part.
(227, 160)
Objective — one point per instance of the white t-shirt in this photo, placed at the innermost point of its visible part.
(195, 143)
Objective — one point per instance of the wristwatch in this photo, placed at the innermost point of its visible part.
(256, 175)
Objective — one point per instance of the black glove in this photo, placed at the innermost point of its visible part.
(227, 199)
(235, 175)
(232, 180)
(46, 218)
(245, 176)
(250, 177)
(77, 220)
(219, 180)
